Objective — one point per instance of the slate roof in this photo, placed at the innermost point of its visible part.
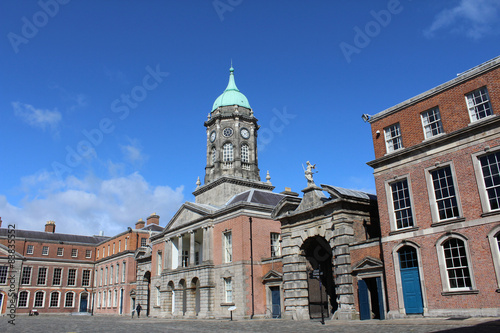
(152, 227)
(257, 196)
(350, 193)
(55, 237)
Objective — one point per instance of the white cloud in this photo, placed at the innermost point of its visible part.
(133, 152)
(474, 18)
(86, 206)
(37, 117)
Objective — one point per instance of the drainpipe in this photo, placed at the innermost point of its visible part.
(251, 265)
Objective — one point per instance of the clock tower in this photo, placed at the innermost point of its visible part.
(231, 146)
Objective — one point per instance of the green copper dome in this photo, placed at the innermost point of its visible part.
(231, 96)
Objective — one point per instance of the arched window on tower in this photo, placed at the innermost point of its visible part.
(245, 157)
(214, 155)
(228, 155)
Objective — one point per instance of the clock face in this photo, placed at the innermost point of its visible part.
(212, 136)
(245, 133)
(228, 131)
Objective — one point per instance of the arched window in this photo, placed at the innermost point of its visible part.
(214, 155)
(39, 298)
(454, 259)
(22, 300)
(54, 299)
(70, 296)
(228, 152)
(245, 157)
(494, 238)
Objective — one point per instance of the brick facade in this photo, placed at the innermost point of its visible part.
(466, 218)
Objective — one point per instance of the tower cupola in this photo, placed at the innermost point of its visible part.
(231, 96)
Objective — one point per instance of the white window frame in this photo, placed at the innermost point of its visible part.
(228, 290)
(27, 298)
(390, 202)
(30, 269)
(89, 277)
(159, 263)
(275, 244)
(124, 265)
(158, 296)
(443, 268)
(58, 293)
(115, 297)
(88, 253)
(43, 299)
(106, 276)
(432, 196)
(104, 299)
(245, 153)
(228, 155)
(30, 249)
(76, 275)
(60, 251)
(45, 277)
(483, 193)
(45, 251)
(111, 273)
(430, 126)
(393, 143)
(99, 299)
(3, 277)
(494, 238)
(117, 273)
(227, 241)
(54, 276)
(66, 299)
(74, 253)
(471, 105)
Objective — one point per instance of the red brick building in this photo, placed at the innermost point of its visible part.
(436, 167)
(116, 268)
(52, 271)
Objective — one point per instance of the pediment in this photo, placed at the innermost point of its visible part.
(368, 264)
(4, 251)
(188, 213)
(272, 275)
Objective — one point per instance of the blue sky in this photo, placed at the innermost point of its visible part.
(102, 103)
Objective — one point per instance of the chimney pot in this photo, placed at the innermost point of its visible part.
(50, 226)
(153, 219)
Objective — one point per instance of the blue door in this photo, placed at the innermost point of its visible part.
(83, 303)
(276, 302)
(410, 280)
(364, 301)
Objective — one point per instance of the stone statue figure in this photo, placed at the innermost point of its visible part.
(309, 173)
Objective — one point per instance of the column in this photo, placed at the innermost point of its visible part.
(168, 254)
(191, 248)
(179, 245)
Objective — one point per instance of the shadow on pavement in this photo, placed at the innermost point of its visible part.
(487, 327)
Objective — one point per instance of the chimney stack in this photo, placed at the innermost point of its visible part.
(50, 226)
(153, 219)
(0, 222)
(140, 224)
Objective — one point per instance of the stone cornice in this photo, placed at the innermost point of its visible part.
(232, 180)
(462, 77)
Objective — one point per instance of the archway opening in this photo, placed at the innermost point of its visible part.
(147, 278)
(321, 286)
(195, 294)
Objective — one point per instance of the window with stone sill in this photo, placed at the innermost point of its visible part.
(42, 276)
(70, 296)
(228, 246)
(29, 250)
(39, 298)
(54, 299)
(60, 251)
(45, 251)
(3, 274)
(393, 139)
(444, 194)
(74, 252)
(478, 103)
(401, 204)
(26, 276)
(228, 290)
(56, 278)
(22, 299)
(454, 262)
(431, 122)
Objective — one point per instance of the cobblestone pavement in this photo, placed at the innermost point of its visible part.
(65, 323)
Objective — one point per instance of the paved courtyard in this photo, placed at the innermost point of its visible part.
(64, 323)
